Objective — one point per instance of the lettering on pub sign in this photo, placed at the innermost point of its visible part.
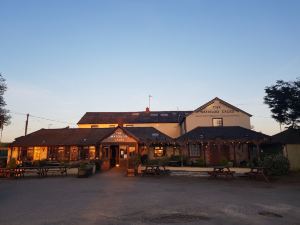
(119, 136)
(217, 109)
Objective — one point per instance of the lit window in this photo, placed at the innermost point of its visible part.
(30, 153)
(217, 122)
(84, 153)
(92, 152)
(74, 153)
(61, 153)
(159, 152)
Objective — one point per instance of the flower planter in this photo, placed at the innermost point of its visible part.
(85, 172)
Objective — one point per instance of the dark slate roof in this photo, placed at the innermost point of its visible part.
(148, 134)
(289, 136)
(86, 136)
(133, 117)
(224, 133)
(65, 136)
(224, 103)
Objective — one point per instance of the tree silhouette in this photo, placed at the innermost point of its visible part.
(4, 113)
(283, 99)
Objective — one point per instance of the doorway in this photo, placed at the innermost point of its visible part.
(114, 155)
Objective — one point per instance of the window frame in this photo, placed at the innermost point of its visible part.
(219, 118)
(195, 148)
(159, 148)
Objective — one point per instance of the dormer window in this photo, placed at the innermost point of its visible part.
(164, 114)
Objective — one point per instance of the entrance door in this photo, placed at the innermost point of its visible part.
(114, 155)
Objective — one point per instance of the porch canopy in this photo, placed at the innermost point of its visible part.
(234, 133)
(217, 143)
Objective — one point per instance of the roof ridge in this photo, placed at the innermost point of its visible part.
(224, 103)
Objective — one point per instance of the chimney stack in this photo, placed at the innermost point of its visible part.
(147, 109)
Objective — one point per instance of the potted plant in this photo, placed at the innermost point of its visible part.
(85, 170)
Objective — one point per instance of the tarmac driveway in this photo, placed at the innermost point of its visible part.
(111, 198)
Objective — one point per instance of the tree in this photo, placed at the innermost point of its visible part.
(283, 99)
(4, 113)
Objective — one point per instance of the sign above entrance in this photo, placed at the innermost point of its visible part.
(119, 136)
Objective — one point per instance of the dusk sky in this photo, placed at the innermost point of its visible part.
(64, 58)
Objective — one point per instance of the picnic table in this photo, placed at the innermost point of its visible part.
(221, 171)
(257, 171)
(40, 171)
(155, 170)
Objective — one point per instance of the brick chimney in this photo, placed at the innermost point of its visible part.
(147, 110)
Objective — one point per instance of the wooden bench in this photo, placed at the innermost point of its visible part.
(256, 172)
(221, 171)
(62, 170)
(155, 170)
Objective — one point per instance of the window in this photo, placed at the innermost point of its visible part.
(61, 153)
(92, 152)
(123, 151)
(30, 153)
(194, 150)
(159, 152)
(164, 114)
(74, 153)
(84, 153)
(217, 122)
(52, 153)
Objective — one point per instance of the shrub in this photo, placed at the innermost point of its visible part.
(98, 164)
(276, 165)
(160, 161)
(223, 161)
(144, 159)
(85, 169)
(199, 163)
(12, 163)
(175, 158)
(230, 164)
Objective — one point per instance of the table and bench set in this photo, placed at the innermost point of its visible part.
(224, 171)
(218, 171)
(41, 171)
(151, 170)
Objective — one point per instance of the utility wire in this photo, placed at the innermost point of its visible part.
(43, 118)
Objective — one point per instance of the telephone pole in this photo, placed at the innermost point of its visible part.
(26, 124)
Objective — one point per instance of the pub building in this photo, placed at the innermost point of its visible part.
(213, 132)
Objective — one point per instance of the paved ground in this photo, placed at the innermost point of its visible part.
(111, 198)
